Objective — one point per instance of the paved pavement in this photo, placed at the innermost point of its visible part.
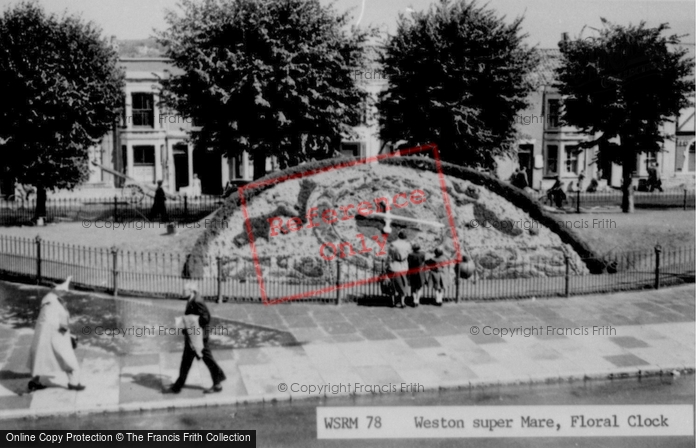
(357, 349)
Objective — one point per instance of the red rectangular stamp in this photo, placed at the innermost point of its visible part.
(351, 214)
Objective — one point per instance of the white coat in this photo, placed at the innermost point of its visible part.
(51, 351)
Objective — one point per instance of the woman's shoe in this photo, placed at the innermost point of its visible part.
(77, 387)
(173, 390)
(214, 389)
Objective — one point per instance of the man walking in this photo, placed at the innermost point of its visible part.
(196, 306)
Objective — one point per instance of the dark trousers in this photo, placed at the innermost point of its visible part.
(217, 375)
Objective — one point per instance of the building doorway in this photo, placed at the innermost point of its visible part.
(526, 160)
(206, 165)
(181, 166)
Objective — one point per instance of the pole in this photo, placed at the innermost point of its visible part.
(115, 208)
(219, 279)
(115, 272)
(566, 275)
(337, 282)
(685, 198)
(185, 208)
(578, 201)
(457, 283)
(657, 268)
(38, 259)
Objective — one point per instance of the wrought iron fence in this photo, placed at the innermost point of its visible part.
(234, 279)
(118, 209)
(679, 198)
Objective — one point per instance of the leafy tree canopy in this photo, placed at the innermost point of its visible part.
(62, 93)
(266, 77)
(624, 84)
(458, 75)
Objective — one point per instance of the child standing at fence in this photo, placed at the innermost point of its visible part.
(416, 260)
(437, 276)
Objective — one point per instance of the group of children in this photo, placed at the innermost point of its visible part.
(406, 276)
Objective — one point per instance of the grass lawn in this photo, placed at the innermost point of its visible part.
(638, 231)
(624, 232)
(153, 239)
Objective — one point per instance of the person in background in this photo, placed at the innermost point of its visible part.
(556, 193)
(158, 208)
(654, 179)
(437, 275)
(398, 264)
(593, 186)
(196, 185)
(416, 260)
(581, 180)
(519, 178)
(196, 306)
(229, 188)
(52, 346)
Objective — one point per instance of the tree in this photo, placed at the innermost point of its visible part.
(266, 77)
(457, 77)
(62, 94)
(621, 86)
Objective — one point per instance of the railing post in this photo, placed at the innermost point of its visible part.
(38, 259)
(685, 198)
(578, 201)
(566, 275)
(185, 208)
(115, 208)
(115, 271)
(457, 283)
(337, 282)
(219, 279)
(657, 268)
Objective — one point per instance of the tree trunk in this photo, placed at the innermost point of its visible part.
(40, 210)
(627, 191)
(259, 162)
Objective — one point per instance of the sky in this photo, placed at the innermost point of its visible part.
(544, 22)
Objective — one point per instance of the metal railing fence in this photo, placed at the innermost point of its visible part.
(156, 274)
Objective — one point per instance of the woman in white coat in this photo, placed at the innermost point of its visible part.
(52, 349)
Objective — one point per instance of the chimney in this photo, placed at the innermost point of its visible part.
(565, 37)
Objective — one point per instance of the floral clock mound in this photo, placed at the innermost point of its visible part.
(505, 240)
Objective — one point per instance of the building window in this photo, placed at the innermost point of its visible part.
(142, 111)
(553, 113)
(650, 160)
(350, 149)
(525, 152)
(572, 152)
(144, 155)
(552, 165)
(691, 157)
